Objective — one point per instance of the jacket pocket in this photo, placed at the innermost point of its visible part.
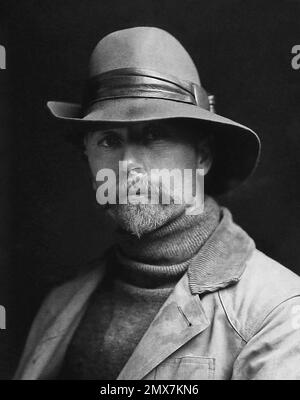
(188, 367)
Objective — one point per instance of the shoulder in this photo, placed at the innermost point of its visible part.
(267, 279)
(54, 320)
(264, 286)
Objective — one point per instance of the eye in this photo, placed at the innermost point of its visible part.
(155, 132)
(109, 140)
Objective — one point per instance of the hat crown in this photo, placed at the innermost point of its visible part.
(143, 47)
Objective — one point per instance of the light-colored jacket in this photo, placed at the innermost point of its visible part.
(242, 323)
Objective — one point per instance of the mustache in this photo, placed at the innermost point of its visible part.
(138, 185)
(142, 184)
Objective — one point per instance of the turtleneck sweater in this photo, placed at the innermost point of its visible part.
(141, 274)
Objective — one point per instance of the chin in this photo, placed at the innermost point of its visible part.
(139, 219)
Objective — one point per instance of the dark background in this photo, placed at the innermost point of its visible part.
(50, 223)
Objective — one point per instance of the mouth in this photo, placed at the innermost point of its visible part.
(138, 197)
(137, 191)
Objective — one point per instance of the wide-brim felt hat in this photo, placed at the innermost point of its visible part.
(145, 74)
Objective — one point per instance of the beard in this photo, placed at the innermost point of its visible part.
(138, 218)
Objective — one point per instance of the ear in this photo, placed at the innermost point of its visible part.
(87, 163)
(85, 144)
(204, 155)
(94, 185)
(89, 173)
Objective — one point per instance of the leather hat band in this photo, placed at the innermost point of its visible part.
(137, 82)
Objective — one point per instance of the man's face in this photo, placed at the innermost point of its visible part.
(143, 146)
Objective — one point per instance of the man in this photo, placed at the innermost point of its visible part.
(183, 294)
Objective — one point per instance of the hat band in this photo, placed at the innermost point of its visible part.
(137, 82)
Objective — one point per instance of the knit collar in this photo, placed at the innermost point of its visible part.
(221, 260)
(161, 257)
(176, 241)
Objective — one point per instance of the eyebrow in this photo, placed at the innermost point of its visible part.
(104, 130)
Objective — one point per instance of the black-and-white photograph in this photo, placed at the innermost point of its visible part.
(150, 200)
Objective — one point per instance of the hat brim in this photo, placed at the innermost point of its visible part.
(237, 147)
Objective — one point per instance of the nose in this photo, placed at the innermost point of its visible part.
(132, 156)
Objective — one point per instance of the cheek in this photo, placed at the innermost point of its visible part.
(98, 163)
(95, 165)
(176, 157)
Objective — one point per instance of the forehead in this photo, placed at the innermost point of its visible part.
(176, 129)
(134, 126)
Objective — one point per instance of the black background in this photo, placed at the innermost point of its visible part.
(50, 223)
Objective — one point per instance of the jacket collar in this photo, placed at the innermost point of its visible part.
(222, 259)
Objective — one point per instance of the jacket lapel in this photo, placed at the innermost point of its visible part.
(180, 318)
